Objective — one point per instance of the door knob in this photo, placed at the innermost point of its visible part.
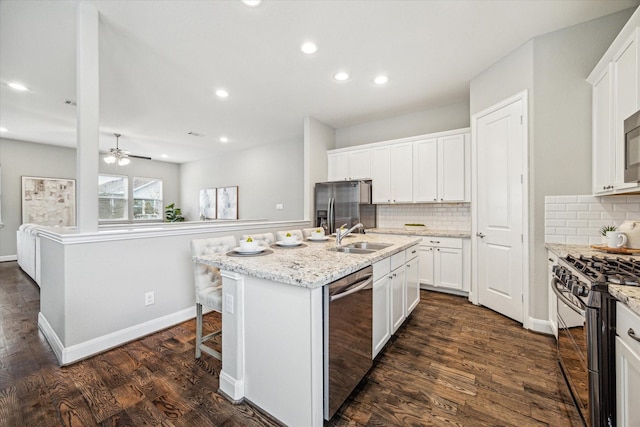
(480, 235)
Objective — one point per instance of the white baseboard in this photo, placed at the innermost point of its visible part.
(233, 389)
(539, 325)
(5, 258)
(76, 352)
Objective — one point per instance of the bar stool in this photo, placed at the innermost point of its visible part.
(208, 287)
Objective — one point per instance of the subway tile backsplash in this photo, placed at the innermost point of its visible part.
(577, 219)
(441, 216)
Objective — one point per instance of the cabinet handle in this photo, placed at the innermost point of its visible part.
(550, 259)
(633, 335)
(413, 251)
(435, 200)
(394, 275)
(438, 249)
(604, 187)
(434, 241)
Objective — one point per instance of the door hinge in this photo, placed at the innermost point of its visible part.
(521, 179)
(520, 119)
(522, 238)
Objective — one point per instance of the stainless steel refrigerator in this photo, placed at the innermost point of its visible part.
(344, 202)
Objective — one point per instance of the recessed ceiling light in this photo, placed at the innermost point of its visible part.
(17, 86)
(309, 48)
(222, 93)
(380, 80)
(224, 139)
(4, 130)
(252, 3)
(164, 156)
(341, 76)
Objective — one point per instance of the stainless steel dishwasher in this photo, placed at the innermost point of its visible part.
(348, 304)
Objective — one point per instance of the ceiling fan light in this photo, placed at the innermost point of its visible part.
(109, 159)
(123, 161)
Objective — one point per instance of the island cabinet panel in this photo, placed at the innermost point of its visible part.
(277, 329)
(627, 367)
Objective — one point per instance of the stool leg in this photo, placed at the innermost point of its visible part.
(198, 329)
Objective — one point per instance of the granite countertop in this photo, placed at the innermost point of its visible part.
(628, 295)
(310, 266)
(426, 232)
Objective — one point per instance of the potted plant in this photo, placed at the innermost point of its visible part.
(173, 214)
(603, 231)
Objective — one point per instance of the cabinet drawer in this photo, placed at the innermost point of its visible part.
(627, 321)
(411, 253)
(397, 260)
(381, 268)
(445, 242)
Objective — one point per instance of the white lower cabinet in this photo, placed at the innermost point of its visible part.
(381, 304)
(412, 279)
(396, 292)
(627, 367)
(445, 263)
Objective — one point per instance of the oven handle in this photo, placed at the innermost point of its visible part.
(633, 335)
(564, 299)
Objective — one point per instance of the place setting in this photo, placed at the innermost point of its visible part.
(290, 241)
(318, 236)
(249, 247)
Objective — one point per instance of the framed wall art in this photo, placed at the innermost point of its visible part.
(208, 204)
(227, 202)
(49, 201)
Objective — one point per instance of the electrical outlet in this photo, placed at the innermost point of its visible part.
(228, 303)
(279, 206)
(149, 298)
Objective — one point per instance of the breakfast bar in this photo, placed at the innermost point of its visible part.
(272, 317)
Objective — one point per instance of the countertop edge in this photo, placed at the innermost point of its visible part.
(628, 295)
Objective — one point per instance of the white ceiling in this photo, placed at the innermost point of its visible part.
(161, 61)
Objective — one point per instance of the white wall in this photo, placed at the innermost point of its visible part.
(21, 158)
(454, 116)
(265, 175)
(318, 138)
(553, 68)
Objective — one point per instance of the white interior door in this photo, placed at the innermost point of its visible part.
(500, 146)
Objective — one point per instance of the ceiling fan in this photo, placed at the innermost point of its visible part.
(122, 157)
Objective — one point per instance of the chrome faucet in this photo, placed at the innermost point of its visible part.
(340, 234)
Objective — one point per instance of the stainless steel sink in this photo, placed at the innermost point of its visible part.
(368, 245)
(349, 250)
(361, 247)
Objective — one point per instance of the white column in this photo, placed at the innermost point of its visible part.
(231, 381)
(88, 116)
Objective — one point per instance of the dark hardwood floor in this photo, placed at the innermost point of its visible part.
(452, 364)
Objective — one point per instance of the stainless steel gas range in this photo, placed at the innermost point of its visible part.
(586, 330)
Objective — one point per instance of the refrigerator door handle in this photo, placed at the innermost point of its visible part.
(331, 214)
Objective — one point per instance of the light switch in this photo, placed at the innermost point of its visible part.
(279, 206)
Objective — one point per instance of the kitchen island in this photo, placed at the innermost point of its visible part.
(272, 317)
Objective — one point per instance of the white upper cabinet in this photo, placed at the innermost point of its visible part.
(421, 169)
(425, 186)
(392, 173)
(603, 159)
(616, 96)
(348, 165)
(441, 169)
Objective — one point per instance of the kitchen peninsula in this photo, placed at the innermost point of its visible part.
(272, 319)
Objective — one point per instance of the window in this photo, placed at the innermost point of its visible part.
(113, 193)
(147, 199)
